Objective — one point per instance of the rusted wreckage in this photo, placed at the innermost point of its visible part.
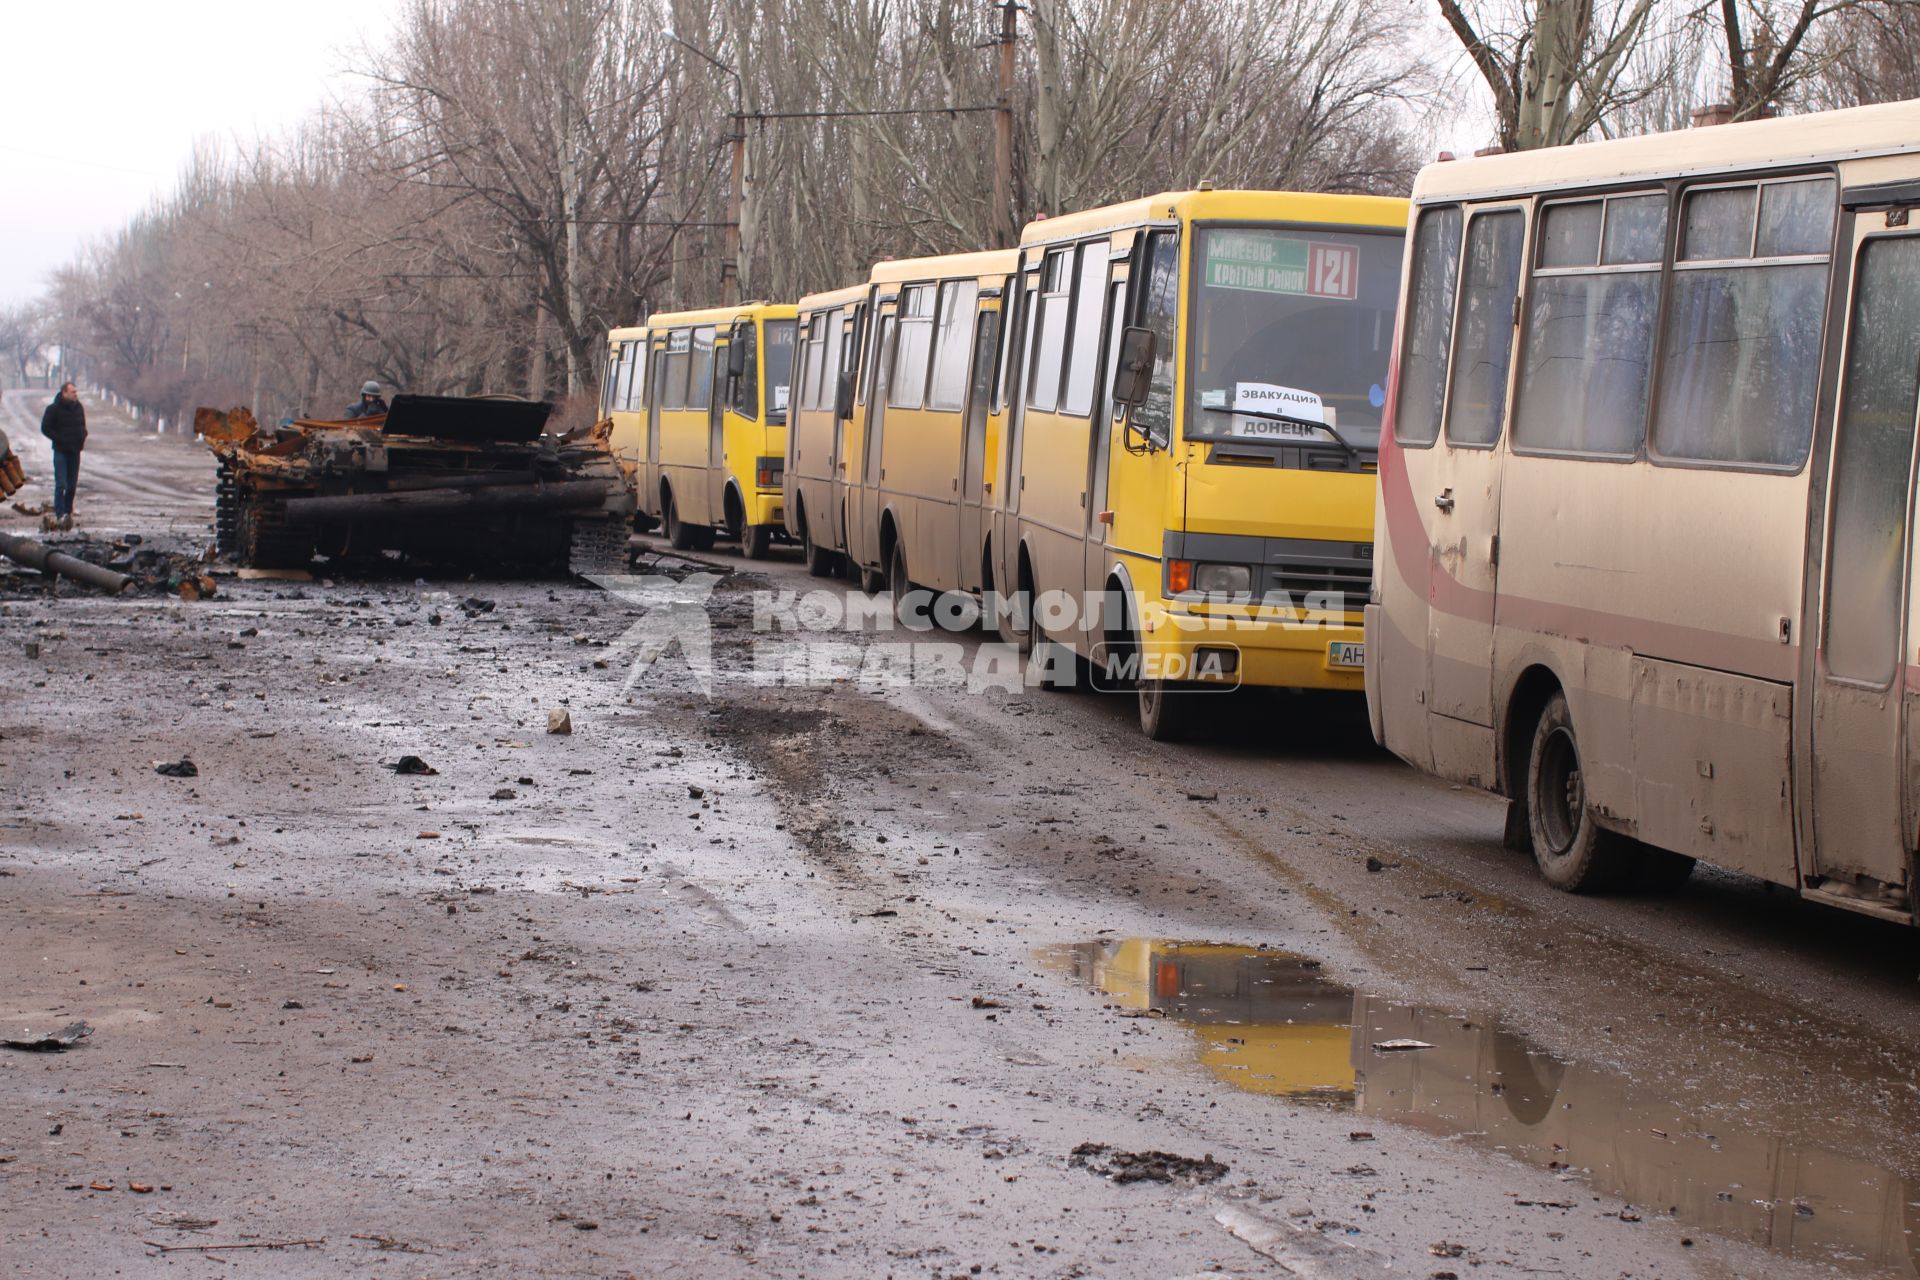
(437, 478)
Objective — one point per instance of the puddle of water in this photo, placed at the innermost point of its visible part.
(1270, 1022)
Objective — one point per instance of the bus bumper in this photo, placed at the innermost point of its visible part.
(767, 508)
(1313, 652)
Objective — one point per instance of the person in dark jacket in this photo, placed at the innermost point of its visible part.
(65, 425)
(370, 403)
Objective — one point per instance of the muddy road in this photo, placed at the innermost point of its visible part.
(843, 975)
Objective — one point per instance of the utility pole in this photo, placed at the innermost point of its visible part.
(1003, 227)
(730, 253)
(736, 187)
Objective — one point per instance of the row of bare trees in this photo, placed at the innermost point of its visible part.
(516, 176)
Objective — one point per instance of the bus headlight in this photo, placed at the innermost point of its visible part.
(1223, 579)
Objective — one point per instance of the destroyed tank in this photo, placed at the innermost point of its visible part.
(452, 480)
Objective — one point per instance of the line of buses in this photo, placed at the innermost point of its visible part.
(1631, 424)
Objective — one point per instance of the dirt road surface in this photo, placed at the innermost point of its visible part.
(835, 978)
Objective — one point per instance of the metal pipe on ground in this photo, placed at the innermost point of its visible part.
(426, 503)
(37, 555)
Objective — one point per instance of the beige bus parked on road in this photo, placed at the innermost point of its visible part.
(1645, 516)
(919, 466)
(825, 358)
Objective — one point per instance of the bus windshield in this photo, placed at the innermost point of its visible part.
(1291, 327)
(779, 362)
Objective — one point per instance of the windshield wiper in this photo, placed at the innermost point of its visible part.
(1268, 415)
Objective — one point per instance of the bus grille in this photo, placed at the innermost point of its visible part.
(1299, 579)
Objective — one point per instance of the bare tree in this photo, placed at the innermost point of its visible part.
(1556, 68)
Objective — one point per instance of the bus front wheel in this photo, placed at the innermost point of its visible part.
(820, 561)
(1167, 711)
(680, 535)
(1574, 852)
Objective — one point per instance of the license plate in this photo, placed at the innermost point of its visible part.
(1344, 653)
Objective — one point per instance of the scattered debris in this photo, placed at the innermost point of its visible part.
(274, 575)
(389, 1244)
(1399, 1046)
(1144, 1166)
(559, 721)
(1203, 795)
(53, 1042)
(251, 1244)
(695, 793)
(982, 1002)
(1446, 1249)
(505, 793)
(181, 768)
(414, 766)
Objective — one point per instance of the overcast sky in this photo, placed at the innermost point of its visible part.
(103, 99)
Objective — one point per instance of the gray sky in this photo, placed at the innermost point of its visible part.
(104, 99)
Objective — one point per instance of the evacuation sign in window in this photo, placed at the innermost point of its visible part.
(1264, 263)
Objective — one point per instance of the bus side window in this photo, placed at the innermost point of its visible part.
(612, 380)
(746, 387)
(958, 301)
(625, 398)
(1591, 313)
(1048, 346)
(1429, 328)
(1740, 366)
(1009, 294)
(1083, 358)
(1489, 284)
(912, 348)
(673, 390)
(807, 360)
(1159, 311)
(700, 370)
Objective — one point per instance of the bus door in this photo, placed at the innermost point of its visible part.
(1006, 517)
(863, 510)
(657, 377)
(849, 347)
(717, 398)
(1861, 668)
(974, 483)
(1466, 466)
(1105, 425)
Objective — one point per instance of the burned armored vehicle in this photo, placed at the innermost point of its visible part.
(438, 479)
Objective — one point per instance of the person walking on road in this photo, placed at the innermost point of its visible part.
(370, 404)
(65, 425)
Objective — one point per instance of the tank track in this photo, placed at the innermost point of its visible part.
(597, 544)
(226, 512)
(265, 541)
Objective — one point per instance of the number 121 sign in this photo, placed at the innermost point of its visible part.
(1333, 271)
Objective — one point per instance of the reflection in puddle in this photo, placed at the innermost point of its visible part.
(1269, 1022)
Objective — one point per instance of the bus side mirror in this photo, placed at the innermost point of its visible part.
(1133, 372)
(843, 398)
(736, 356)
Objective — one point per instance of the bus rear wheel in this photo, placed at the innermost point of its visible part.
(1574, 853)
(756, 540)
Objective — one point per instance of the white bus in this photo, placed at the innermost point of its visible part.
(1645, 522)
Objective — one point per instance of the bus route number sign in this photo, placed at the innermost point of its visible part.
(1262, 263)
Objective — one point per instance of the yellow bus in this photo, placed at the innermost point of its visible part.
(622, 398)
(715, 423)
(919, 465)
(814, 484)
(1646, 510)
(1220, 531)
